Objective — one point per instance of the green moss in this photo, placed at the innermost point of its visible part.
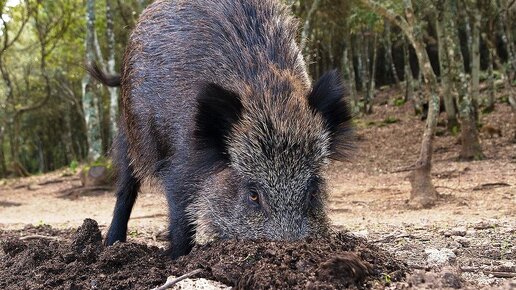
(399, 102)
(391, 120)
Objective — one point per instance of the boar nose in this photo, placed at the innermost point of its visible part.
(288, 229)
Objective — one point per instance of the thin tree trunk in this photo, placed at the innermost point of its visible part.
(505, 24)
(113, 91)
(475, 60)
(3, 166)
(349, 71)
(306, 27)
(467, 29)
(389, 61)
(491, 82)
(444, 63)
(470, 143)
(409, 77)
(372, 84)
(366, 78)
(423, 193)
(359, 51)
(90, 102)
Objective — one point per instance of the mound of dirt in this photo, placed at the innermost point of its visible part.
(82, 262)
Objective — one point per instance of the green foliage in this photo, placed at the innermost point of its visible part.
(73, 166)
(41, 105)
(391, 120)
(399, 102)
(386, 278)
(133, 233)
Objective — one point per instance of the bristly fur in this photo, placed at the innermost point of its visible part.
(217, 103)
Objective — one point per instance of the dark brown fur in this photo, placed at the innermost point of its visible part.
(217, 103)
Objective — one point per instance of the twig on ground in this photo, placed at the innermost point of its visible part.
(390, 237)
(172, 281)
(501, 274)
(82, 190)
(404, 169)
(19, 186)
(51, 181)
(497, 274)
(37, 237)
(490, 185)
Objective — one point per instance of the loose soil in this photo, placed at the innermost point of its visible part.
(54, 260)
(467, 240)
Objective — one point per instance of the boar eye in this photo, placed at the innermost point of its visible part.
(254, 197)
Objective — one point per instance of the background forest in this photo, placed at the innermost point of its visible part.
(453, 54)
(429, 191)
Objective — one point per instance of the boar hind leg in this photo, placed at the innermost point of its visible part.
(126, 193)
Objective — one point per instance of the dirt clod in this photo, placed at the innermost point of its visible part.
(82, 262)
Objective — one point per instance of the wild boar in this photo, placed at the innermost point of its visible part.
(217, 104)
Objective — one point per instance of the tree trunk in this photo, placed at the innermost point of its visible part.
(349, 71)
(444, 64)
(306, 28)
(475, 60)
(113, 91)
(3, 166)
(467, 30)
(491, 82)
(505, 73)
(470, 143)
(359, 47)
(423, 193)
(366, 77)
(409, 77)
(90, 102)
(389, 61)
(372, 84)
(505, 24)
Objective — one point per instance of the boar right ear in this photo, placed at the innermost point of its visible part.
(218, 110)
(328, 99)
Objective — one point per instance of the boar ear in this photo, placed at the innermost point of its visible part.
(327, 98)
(218, 110)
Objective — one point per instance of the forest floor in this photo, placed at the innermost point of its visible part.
(468, 239)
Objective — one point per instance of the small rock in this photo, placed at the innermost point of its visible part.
(471, 232)
(361, 234)
(494, 254)
(451, 280)
(440, 257)
(484, 225)
(463, 241)
(459, 231)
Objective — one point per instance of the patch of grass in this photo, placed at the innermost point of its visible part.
(454, 130)
(133, 233)
(391, 120)
(73, 166)
(399, 102)
(386, 278)
(41, 223)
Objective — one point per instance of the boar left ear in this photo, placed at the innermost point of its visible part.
(218, 110)
(328, 98)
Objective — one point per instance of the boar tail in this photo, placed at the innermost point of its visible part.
(96, 72)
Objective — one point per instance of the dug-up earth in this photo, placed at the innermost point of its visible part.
(51, 228)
